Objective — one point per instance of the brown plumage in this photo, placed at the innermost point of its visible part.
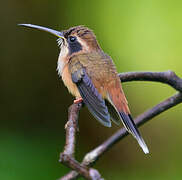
(103, 74)
(90, 74)
(99, 66)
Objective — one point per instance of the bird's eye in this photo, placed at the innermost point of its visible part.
(72, 38)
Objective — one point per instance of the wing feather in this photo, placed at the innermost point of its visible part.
(91, 96)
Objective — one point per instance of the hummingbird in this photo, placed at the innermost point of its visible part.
(91, 76)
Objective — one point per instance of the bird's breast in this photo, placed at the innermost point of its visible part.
(63, 71)
(66, 77)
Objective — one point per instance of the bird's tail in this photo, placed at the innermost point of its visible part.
(131, 128)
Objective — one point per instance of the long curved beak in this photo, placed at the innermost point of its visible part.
(59, 34)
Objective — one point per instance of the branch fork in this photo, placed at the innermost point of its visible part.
(84, 168)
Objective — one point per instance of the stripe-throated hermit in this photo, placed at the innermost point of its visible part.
(90, 76)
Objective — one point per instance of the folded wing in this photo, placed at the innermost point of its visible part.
(91, 97)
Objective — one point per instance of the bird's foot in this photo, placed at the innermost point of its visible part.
(77, 101)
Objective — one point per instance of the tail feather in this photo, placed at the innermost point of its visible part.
(131, 128)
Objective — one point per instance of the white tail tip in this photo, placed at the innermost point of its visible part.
(143, 145)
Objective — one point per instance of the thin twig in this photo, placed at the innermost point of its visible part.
(71, 128)
(73, 164)
(169, 78)
(140, 120)
(67, 157)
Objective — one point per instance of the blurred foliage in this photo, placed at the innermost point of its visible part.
(138, 34)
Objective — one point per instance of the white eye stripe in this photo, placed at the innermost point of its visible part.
(83, 43)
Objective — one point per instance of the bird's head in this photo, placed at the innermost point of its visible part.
(76, 39)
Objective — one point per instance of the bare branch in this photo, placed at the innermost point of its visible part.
(70, 175)
(73, 164)
(67, 157)
(169, 78)
(140, 120)
(71, 128)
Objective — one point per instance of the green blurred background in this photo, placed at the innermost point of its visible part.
(140, 35)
